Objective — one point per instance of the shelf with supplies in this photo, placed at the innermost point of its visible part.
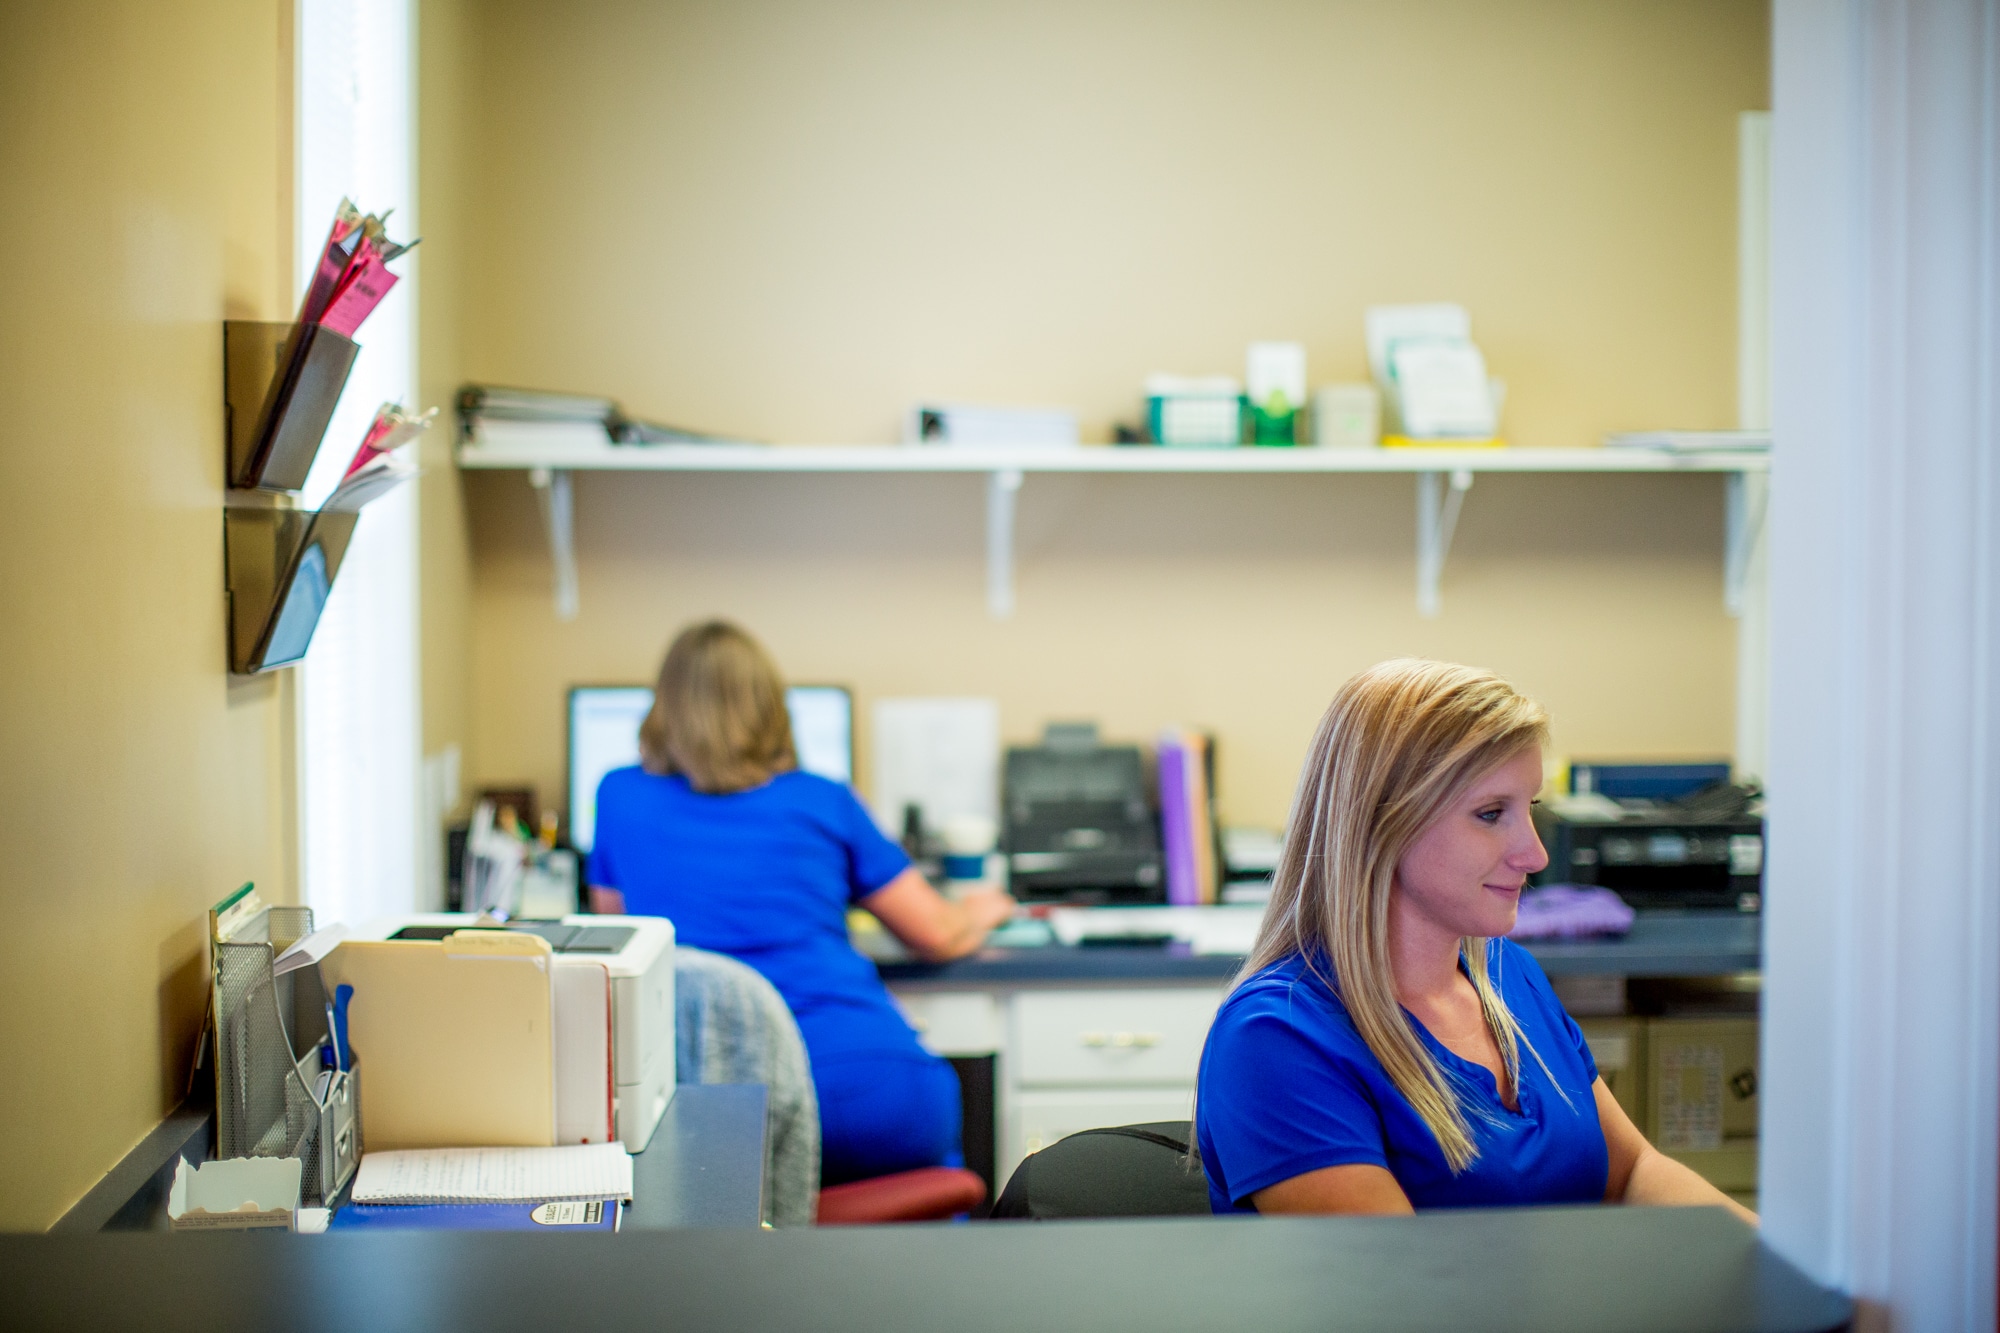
(1443, 476)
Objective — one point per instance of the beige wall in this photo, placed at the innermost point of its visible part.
(445, 558)
(146, 154)
(791, 220)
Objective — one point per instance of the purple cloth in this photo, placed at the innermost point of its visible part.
(1570, 911)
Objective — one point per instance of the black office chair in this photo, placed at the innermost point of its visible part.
(1124, 1171)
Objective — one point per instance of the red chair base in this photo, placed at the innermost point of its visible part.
(927, 1195)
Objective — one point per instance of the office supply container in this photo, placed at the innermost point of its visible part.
(272, 1097)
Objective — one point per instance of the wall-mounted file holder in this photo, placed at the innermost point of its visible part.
(280, 386)
(279, 564)
(272, 1099)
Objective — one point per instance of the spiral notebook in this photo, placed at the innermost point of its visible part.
(586, 1172)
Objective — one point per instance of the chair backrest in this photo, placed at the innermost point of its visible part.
(732, 1026)
(1149, 1170)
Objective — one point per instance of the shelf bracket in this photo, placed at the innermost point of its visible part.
(552, 490)
(1003, 488)
(1437, 519)
(1745, 500)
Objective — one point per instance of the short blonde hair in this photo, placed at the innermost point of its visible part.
(718, 714)
(1398, 744)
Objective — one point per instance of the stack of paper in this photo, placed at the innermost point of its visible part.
(1432, 375)
(376, 468)
(587, 1173)
(353, 274)
(534, 418)
(1693, 441)
(529, 417)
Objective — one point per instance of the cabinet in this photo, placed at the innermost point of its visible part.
(1074, 1058)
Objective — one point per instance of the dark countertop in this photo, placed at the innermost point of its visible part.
(1695, 944)
(1596, 1269)
(704, 1166)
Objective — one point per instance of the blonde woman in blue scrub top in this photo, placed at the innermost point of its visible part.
(1386, 1049)
(719, 831)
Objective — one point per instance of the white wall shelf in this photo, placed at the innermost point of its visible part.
(1443, 477)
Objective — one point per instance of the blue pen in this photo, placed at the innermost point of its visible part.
(342, 1057)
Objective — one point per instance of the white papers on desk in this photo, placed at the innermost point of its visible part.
(589, 1172)
(309, 951)
(1228, 930)
(941, 755)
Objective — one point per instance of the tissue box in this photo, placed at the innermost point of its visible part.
(236, 1194)
(1184, 412)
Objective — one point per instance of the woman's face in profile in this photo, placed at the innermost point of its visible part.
(1464, 873)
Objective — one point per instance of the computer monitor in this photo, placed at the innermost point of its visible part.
(604, 734)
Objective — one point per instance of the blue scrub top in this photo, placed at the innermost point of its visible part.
(765, 876)
(1288, 1086)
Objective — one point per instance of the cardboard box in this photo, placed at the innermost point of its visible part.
(1702, 1097)
(1701, 1082)
(236, 1194)
(1618, 1045)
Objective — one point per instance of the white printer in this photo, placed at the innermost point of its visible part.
(637, 953)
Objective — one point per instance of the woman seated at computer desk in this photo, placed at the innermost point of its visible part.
(719, 831)
(1386, 1049)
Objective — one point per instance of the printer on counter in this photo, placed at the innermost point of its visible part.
(638, 954)
(1079, 824)
(1660, 836)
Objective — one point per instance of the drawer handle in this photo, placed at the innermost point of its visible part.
(1122, 1040)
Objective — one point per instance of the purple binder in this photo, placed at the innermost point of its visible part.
(1177, 825)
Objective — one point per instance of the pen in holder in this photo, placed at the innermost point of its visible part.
(281, 383)
(279, 566)
(272, 1097)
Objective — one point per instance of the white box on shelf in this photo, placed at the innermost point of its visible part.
(1347, 416)
(962, 424)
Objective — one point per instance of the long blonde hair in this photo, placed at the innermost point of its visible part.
(1399, 742)
(718, 714)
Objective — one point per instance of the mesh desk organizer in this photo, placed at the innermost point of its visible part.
(272, 1097)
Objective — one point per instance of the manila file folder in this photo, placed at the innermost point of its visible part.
(454, 1039)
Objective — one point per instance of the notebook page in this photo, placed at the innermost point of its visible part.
(588, 1171)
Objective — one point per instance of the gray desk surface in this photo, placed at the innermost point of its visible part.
(704, 1167)
(705, 1164)
(1659, 945)
(1543, 1269)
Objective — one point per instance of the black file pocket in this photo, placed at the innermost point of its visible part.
(281, 384)
(280, 565)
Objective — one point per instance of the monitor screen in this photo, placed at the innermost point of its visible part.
(604, 734)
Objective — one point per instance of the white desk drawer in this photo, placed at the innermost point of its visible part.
(952, 1022)
(1115, 1038)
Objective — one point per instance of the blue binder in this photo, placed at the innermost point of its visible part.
(570, 1218)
